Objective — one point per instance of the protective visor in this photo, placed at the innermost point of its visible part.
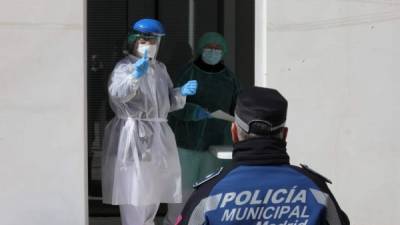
(149, 43)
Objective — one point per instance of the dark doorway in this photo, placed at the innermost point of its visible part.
(185, 21)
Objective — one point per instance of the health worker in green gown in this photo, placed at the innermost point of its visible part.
(193, 126)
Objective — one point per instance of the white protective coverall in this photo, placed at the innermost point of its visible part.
(140, 164)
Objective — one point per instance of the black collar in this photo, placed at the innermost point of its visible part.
(209, 68)
(265, 150)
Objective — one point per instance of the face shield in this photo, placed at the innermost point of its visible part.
(149, 43)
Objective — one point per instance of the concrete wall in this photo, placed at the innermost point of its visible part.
(337, 62)
(42, 113)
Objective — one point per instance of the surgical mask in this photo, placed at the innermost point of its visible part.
(211, 56)
(151, 50)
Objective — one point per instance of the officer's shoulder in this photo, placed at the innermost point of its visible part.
(208, 178)
(315, 173)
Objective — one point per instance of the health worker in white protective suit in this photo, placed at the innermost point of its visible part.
(140, 163)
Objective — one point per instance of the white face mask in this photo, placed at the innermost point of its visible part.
(151, 50)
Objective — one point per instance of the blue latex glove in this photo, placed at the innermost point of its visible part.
(189, 88)
(201, 114)
(141, 66)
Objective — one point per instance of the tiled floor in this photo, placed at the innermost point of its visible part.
(104, 221)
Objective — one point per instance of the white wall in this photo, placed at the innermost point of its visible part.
(337, 62)
(42, 116)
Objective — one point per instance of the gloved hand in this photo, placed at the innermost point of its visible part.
(189, 88)
(201, 114)
(141, 66)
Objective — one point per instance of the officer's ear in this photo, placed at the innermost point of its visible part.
(234, 133)
(285, 133)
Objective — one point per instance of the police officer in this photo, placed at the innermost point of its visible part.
(262, 188)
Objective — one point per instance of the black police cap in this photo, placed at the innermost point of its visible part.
(261, 111)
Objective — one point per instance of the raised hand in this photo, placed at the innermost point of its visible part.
(141, 66)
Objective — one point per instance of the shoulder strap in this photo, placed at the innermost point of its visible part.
(208, 178)
(304, 166)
